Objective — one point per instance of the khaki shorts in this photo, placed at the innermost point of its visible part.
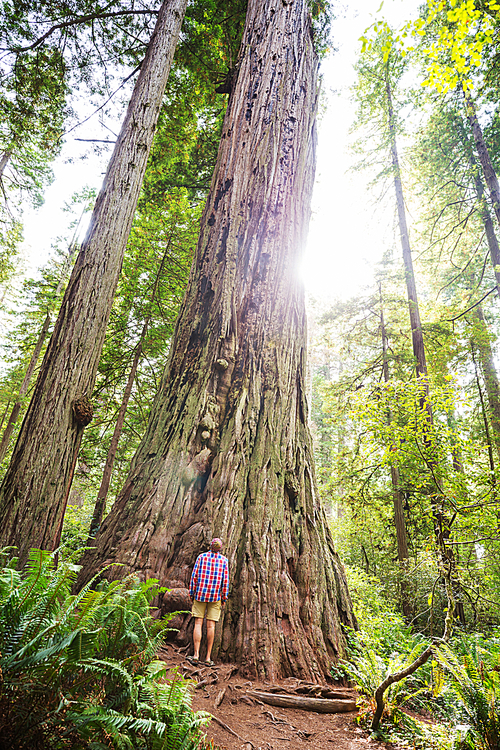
(213, 610)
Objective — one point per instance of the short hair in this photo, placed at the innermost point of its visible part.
(216, 544)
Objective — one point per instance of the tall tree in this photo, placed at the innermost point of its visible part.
(380, 70)
(228, 450)
(37, 483)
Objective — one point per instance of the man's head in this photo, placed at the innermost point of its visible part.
(216, 545)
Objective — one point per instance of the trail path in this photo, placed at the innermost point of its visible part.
(222, 692)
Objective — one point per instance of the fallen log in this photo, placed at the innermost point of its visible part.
(322, 705)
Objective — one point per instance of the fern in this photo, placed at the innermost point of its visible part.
(476, 682)
(79, 671)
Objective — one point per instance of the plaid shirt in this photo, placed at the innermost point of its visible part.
(210, 579)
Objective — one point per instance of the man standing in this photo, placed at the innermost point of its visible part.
(209, 589)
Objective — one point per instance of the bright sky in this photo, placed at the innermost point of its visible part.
(347, 236)
(348, 233)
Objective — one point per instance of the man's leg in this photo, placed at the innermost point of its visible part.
(198, 623)
(210, 637)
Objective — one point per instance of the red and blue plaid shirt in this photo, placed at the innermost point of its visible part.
(210, 578)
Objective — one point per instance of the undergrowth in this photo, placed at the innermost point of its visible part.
(80, 671)
(451, 702)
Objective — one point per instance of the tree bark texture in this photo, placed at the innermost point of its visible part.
(228, 450)
(4, 160)
(39, 476)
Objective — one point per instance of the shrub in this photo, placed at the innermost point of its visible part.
(80, 671)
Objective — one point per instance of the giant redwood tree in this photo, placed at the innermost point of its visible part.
(37, 483)
(227, 450)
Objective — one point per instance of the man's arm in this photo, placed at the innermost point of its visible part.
(194, 578)
(225, 583)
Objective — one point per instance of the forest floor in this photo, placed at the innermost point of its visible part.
(243, 723)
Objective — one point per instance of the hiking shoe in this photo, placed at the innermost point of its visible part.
(209, 663)
(193, 660)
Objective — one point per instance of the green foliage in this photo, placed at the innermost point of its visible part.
(382, 629)
(474, 671)
(80, 670)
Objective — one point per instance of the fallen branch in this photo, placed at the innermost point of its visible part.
(424, 656)
(231, 731)
(322, 705)
(396, 677)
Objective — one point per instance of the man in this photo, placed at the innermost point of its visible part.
(209, 589)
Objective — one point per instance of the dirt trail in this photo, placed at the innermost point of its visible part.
(262, 727)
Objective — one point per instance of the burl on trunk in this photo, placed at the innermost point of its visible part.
(228, 450)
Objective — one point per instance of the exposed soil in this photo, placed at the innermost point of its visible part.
(247, 724)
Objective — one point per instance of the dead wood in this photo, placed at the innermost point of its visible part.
(231, 731)
(322, 705)
(220, 697)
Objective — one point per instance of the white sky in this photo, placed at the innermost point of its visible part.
(347, 235)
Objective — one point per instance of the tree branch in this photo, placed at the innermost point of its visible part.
(75, 22)
(451, 320)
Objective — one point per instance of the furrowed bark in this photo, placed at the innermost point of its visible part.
(228, 450)
(32, 496)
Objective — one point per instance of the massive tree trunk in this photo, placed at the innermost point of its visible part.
(228, 450)
(35, 488)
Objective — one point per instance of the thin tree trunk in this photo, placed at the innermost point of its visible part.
(483, 348)
(228, 450)
(442, 526)
(4, 160)
(489, 173)
(489, 229)
(4, 445)
(399, 518)
(5, 412)
(485, 418)
(102, 495)
(32, 496)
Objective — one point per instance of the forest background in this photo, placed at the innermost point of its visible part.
(397, 456)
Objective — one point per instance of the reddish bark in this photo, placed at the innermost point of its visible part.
(34, 491)
(228, 451)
